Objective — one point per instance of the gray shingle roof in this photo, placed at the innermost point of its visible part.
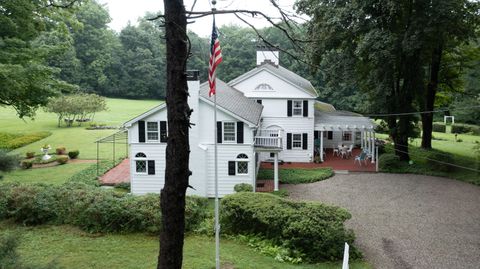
(234, 101)
(282, 72)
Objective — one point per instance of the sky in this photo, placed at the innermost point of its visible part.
(123, 11)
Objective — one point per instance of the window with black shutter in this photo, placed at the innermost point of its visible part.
(305, 108)
(163, 131)
(305, 141)
(330, 135)
(151, 167)
(289, 141)
(219, 132)
(231, 168)
(259, 101)
(141, 131)
(239, 132)
(289, 108)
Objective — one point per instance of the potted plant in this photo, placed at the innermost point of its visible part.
(45, 150)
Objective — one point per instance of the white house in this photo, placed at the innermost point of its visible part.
(267, 113)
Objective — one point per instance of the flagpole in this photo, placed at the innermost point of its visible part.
(217, 213)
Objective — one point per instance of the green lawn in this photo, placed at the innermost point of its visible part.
(72, 248)
(297, 176)
(119, 111)
(55, 175)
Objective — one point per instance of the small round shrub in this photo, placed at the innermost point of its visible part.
(26, 164)
(62, 159)
(61, 151)
(30, 154)
(388, 161)
(73, 154)
(438, 161)
(8, 162)
(243, 187)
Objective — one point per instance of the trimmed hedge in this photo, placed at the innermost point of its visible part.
(90, 208)
(439, 127)
(316, 230)
(297, 175)
(11, 141)
(8, 162)
(388, 161)
(243, 187)
(459, 128)
(73, 154)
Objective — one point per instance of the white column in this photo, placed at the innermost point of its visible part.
(370, 143)
(362, 137)
(374, 153)
(275, 171)
(321, 146)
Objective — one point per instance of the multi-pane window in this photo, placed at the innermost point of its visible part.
(229, 132)
(242, 164)
(152, 131)
(297, 108)
(347, 136)
(296, 140)
(141, 163)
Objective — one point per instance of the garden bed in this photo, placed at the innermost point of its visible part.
(297, 175)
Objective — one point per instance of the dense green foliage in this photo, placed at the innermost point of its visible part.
(8, 162)
(73, 154)
(243, 187)
(440, 161)
(78, 107)
(90, 208)
(458, 128)
(315, 230)
(297, 176)
(9, 141)
(439, 127)
(388, 161)
(73, 248)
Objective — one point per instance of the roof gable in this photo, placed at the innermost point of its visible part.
(145, 114)
(281, 73)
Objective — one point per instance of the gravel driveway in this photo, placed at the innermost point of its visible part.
(406, 221)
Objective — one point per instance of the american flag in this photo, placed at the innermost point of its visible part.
(215, 59)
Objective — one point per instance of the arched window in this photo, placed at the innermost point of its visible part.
(242, 164)
(140, 163)
(263, 87)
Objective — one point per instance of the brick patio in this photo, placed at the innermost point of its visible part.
(118, 174)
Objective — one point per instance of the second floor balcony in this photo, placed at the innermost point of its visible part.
(269, 140)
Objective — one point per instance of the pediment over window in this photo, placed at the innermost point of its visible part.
(263, 87)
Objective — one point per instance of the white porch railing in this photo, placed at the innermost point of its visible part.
(269, 139)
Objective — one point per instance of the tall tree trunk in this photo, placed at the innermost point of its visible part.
(429, 101)
(172, 198)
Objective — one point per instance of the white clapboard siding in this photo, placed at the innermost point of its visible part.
(142, 184)
(292, 125)
(226, 183)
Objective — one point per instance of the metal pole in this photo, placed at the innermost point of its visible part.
(126, 146)
(217, 214)
(376, 153)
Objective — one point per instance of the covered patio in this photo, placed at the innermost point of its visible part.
(337, 132)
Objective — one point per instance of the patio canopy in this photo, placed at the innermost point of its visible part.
(342, 121)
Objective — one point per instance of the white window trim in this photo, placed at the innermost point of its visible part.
(242, 160)
(301, 108)
(146, 132)
(351, 135)
(146, 164)
(301, 141)
(234, 132)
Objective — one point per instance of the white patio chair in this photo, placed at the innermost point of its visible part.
(349, 151)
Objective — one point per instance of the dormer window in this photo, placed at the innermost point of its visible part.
(263, 87)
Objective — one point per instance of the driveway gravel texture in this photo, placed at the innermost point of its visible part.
(404, 220)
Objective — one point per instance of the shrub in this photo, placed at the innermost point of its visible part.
(26, 164)
(382, 127)
(243, 187)
(315, 230)
(8, 162)
(459, 128)
(61, 151)
(30, 154)
(388, 161)
(437, 161)
(439, 127)
(10, 141)
(62, 159)
(123, 186)
(90, 208)
(73, 154)
(459, 140)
